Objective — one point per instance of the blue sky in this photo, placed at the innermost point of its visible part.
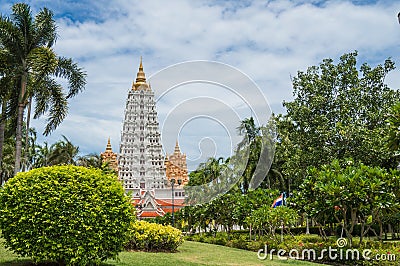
(267, 40)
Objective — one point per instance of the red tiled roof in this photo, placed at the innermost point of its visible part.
(170, 210)
(168, 202)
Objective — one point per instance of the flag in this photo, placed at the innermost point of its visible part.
(278, 201)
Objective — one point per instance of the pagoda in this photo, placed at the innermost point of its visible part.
(175, 165)
(142, 166)
(110, 157)
(141, 162)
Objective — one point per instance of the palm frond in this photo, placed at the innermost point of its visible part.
(75, 75)
(10, 36)
(23, 20)
(42, 96)
(58, 108)
(45, 28)
(43, 62)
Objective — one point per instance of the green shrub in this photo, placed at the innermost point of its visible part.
(312, 230)
(66, 214)
(153, 237)
(256, 245)
(237, 243)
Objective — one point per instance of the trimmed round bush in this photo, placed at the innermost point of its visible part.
(153, 237)
(65, 214)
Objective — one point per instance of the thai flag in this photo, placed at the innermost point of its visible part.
(278, 201)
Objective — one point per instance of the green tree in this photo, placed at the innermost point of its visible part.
(28, 40)
(350, 193)
(207, 172)
(90, 160)
(41, 156)
(338, 112)
(93, 160)
(252, 142)
(269, 219)
(255, 155)
(7, 165)
(63, 152)
(394, 129)
(7, 95)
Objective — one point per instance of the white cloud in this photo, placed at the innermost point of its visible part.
(269, 41)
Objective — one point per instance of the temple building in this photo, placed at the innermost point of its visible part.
(141, 162)
(142, 168)
(110, 157)
(175, 166)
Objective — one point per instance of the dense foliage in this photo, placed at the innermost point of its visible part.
(67, 214)
(30, 74)
(338, 112)
(394, 129)
(153, 237)
(351, 194)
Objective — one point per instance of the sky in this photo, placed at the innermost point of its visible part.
(265, 42)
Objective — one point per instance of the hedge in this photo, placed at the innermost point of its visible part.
(153, 237)
(65, 214)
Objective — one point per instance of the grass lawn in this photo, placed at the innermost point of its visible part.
(190, 253)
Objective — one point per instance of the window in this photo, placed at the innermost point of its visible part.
(142, 185)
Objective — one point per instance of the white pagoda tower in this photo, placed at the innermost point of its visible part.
(141, 160)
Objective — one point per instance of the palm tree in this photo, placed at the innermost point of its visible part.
(95, 161)
(28, 41)
(90, 160)
(7, 164)
(252, 142)
(4, 84)
(41, 157)
(7, 95)
(249, 129)
(63, 152)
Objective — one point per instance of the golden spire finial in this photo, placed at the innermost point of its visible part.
(140, 78)
(177, 150)
(141, 64)
(109, 145)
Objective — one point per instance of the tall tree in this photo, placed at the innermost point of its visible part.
(41, 156)
(29, 40)
(394, 129)
(63, 152)
(90, 160)
(251, 134)
(338, 112)
(7, 95)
